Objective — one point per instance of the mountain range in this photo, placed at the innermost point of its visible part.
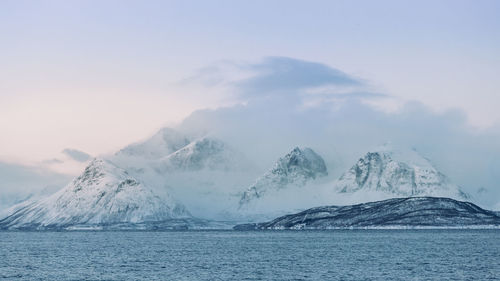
(175, 179)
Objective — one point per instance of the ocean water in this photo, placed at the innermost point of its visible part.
(270, 255)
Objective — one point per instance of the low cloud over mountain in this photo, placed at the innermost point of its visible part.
(285, 102)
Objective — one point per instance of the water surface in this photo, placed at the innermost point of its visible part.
(269, 255)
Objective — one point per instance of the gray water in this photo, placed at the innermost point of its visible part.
(231, 255)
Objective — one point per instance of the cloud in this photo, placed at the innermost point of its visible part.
(294, 82)
(76, 155)
(20, 181)
(52, 161)
(334, 113)
(286, 75)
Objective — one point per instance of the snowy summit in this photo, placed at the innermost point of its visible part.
(398, 172)
(296, 168)
(103, 194)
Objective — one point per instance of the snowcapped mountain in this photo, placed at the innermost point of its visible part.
(397, 172)
(161, 144)
(172, 151)
(197, 171)
(296, 168)
(414, 212)
(103, 194)
(204, 153)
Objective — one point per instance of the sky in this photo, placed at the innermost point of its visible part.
(84, 78)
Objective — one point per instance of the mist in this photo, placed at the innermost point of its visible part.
(287, 102)
(20, 182)
(280, 103)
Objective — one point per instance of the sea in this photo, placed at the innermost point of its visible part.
(251, 255)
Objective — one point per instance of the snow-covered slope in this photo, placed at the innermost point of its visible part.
(412, 212)
(397, 172)
(296, 168)
(102, 195)
(204, 153)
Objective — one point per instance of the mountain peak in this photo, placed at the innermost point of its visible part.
(403, 154)
(297, 167)
(396, 171)
(103, 194)
(302, 161)
(161, 144)
(205, 153)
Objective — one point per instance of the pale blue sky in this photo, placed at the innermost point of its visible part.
(71, 70)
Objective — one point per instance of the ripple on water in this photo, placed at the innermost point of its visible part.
(230, 255)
